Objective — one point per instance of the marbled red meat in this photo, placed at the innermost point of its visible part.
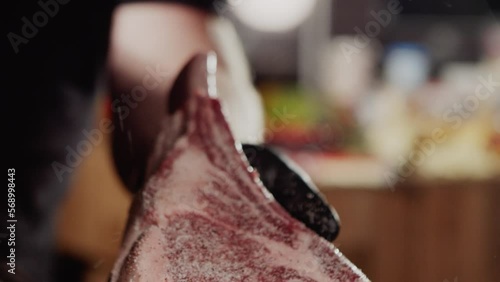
(205, 216)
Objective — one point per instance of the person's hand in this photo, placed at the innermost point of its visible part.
(150, 43)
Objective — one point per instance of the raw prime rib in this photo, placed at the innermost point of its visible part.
(204, 215)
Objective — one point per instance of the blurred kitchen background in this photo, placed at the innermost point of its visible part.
(392, 107)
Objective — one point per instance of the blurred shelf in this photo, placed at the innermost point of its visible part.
(422, 231)
(333, 171)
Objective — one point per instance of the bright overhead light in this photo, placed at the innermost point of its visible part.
(273, 15)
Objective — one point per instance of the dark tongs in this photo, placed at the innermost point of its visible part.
(293, 189)
(290, 186)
